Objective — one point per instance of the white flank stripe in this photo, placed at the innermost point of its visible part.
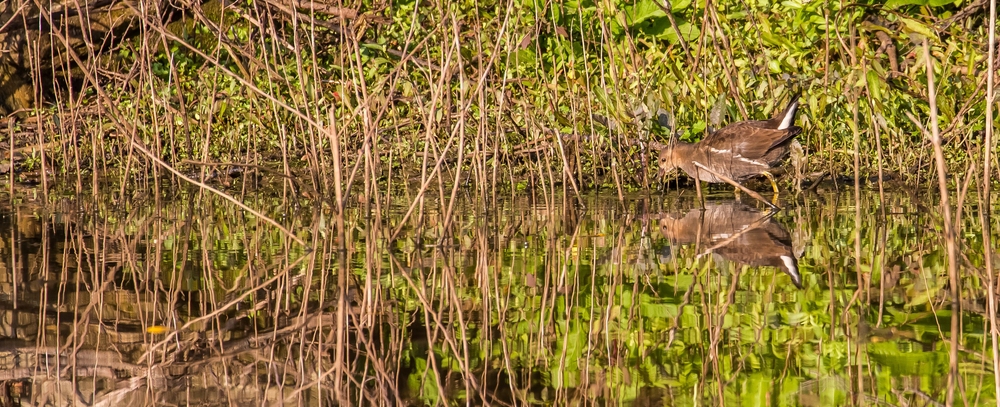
(747, 160)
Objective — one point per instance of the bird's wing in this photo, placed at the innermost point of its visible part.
(750, 139)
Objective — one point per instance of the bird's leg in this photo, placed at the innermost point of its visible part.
(774, 186)
(770, 177)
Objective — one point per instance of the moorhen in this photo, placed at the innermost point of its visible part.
(739, 151)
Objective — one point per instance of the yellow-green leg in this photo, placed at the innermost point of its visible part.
(774, 186)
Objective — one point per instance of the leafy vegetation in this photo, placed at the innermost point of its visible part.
(509, 92)
(444, 151)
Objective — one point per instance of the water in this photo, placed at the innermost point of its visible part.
(539, 300)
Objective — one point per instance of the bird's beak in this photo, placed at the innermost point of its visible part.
(661, 179)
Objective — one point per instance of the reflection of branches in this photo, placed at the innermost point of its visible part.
(100, 361)
(215, 314)
(435, 318)
(241, 356)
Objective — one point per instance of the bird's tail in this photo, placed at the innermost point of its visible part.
(787, 118)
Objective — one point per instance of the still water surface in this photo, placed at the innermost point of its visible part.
(186, 300)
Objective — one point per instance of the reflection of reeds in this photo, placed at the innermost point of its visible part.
(454, 316)
(985, 215)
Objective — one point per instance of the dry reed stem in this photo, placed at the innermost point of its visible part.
(338, 190)
(949, 232)
(986, 202)
(859, 273)
(729, 181)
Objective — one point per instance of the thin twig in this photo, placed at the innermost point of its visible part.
(729, 181)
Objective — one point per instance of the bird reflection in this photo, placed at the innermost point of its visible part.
(736, 232)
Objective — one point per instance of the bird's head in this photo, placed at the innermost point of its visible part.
(665, 161)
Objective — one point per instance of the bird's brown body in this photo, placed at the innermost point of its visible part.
(738, 151)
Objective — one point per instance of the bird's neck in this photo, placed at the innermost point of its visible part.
(684, 155)
(683, 149)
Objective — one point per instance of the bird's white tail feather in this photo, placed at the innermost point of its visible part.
(789, 116)
(793, 270)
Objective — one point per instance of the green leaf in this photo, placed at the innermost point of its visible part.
(794, 5)
(525, 58)
(644, 10)
(777, 40)
(900, 3)
(657, 28)
(688, 32)
(581, 5)
(874, 85)
(915, 26)
(680, 5)
(699, 127)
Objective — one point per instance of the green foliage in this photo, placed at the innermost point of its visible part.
(617, 312)
(513, 72)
